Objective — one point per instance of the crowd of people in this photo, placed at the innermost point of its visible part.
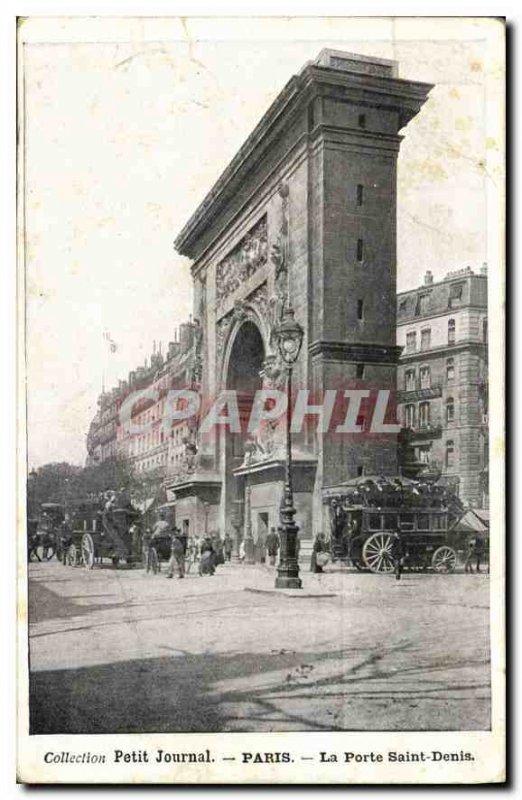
(205, 553)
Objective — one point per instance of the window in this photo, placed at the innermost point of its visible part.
(360, 191)
(425, 377)
(451, 331)
(425, 338)
(450, 453)
(403, 305)
(423, 522)
(450, 370)
(359, 370)
(360, 249)
(360, 309)
(422, 305)
(409, 380)
(450, 410)
(362, 120)
(409, 416)
(390, 521)
(374, 522)
(456, 290)
(407, 522)
(423, 453)
(360, 471)
(424, 415)
(411, 342)
(485, 329)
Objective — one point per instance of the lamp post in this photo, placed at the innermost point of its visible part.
(249, 539)
(205, 506)
(289, 338)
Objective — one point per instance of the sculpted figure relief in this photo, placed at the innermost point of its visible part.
(246, 258)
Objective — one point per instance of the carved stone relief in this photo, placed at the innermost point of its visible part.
(243, 261)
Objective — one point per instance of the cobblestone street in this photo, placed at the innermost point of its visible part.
(116, 650)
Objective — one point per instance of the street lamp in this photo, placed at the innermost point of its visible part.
(289, 338)
(248, 537)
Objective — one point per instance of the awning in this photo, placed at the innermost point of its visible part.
(471, 523)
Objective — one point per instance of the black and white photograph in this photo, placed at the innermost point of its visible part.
(261, 438)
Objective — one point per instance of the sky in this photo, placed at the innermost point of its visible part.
(127, 124)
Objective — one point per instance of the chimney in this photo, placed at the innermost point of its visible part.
(428, 277)
(484, 269)
(185, 335)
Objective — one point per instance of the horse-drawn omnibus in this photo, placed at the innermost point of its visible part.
(367, 513)
(100, 531)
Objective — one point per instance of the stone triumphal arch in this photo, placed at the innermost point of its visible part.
(306, 211)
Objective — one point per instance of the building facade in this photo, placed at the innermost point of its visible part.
(442, 381)
(305, 213)
(153, 444)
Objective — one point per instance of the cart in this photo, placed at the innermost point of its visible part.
(366, 514)
(99, 534)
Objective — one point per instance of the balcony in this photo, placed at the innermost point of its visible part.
(416, 469)
(421, 432)
(412, 395)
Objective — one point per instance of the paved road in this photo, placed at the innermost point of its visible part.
(119, 651)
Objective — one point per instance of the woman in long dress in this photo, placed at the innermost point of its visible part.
(320, 546)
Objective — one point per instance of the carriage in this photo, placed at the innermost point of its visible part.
(97, 534)
(365, 515)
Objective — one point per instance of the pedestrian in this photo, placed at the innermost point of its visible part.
(479, 553)
(397, 554)
(272, 546)
(217, 544)
(319, 554)
(65, 541)
(227, 546)
(349, 535)
(242, 552)
(470, 555)
(207, 564)
(177, 557)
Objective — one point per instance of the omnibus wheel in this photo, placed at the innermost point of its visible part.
(444, 559)
(377, 553)
(88, 550)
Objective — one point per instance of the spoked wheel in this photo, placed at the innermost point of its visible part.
(88, 550)
(154, 563)
(377, 553)
(444, 559)
(71, 556)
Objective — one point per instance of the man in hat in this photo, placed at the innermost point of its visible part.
(470, 555)
(272, 546)
(397, 554)
(177, 558)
